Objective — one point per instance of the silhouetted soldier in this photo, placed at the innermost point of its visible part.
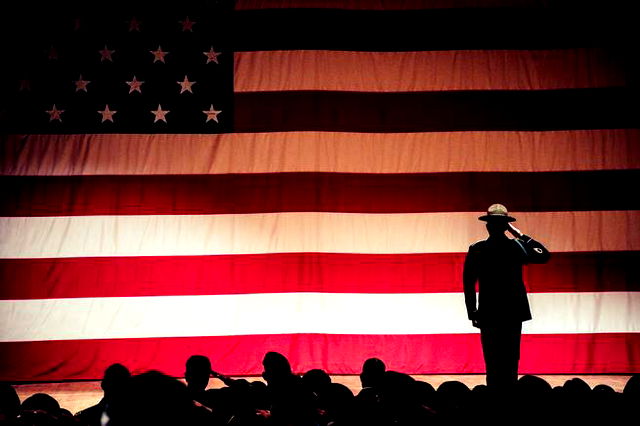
(496, 265)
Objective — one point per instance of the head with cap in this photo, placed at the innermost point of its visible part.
(497, 219)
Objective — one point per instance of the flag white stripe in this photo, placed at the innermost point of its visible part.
(385, 4)
(261, 71)
(282, 313)
(175, 235)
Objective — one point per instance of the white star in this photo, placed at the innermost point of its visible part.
(186, 85)
(134, 25)
(158, 55)
(81, 84)
(212, 114)
(212, 55)
(134, 85)
(160, 114)
(105, 54)
(25, 85)
(55, 114)
(107, 114)
(187, 24)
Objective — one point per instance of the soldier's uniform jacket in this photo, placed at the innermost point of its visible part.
(496, 265)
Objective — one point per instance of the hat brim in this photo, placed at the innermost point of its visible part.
(496, 218)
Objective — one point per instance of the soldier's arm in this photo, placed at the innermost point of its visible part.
(535, 251)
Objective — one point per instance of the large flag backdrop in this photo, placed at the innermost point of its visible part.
(306, 177)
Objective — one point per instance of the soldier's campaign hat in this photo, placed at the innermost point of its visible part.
(497, 212)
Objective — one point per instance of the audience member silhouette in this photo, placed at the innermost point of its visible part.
(531, 398)
(154, 398)
(372, 374)
(453, 399)
(495, 265)
(291, 403)
(41, 402)
(227, 405)
(530, 384)
(400, 401)
(631, 397)
(606, 405)
(338, 404)
(426, 394)
(9, 403)
(632, 388)
(114, 383)
(196, 375)
(317, 382)
(41, 409)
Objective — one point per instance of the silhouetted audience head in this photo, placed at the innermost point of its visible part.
(530, 399)
(482, 398)
(339, 401)
(368, 395)
(197, 372)
(576, 386)
(531, 384)
(9, 402)
(632, 388)
(397, 380)
(259, 395)
(603, 390)
(116, 378)
(452, 396)
(115, 382)
(398, 388)
(453, 387)
(425, 393)
(154, 398)
(40, 409)
(631, 396)
(480, 389)
(276, 368)
(317, 382)
(316, 379)
(41, 402)
(291, 402)
(372, 373)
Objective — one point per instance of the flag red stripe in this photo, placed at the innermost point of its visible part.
(242, 355)
(434, 111)
(423, 29)
(317, 192)
(292, 272)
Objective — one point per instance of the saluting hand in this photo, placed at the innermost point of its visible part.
(514, 231)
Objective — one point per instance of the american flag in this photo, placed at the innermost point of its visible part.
(230, 178)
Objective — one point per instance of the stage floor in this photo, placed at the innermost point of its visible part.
(74, 396)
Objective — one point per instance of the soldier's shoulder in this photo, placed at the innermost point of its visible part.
(478, 244)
